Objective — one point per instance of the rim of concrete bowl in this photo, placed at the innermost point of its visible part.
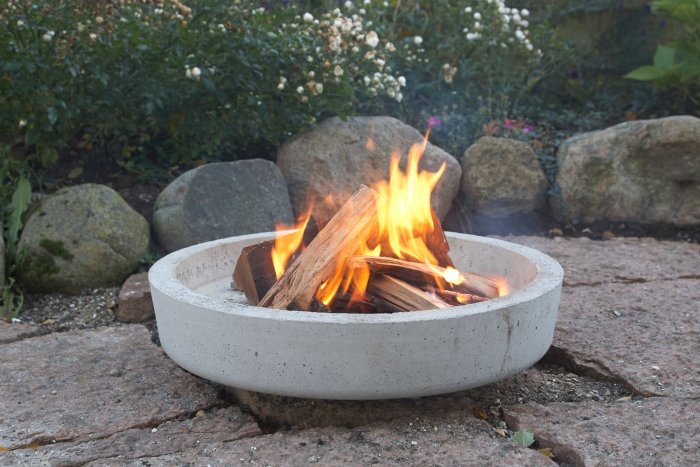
(164, 281)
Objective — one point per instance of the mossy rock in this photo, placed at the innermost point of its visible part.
(81, 237)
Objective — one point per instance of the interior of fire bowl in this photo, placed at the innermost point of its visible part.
(210, 329)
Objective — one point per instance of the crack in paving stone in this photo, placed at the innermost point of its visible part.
(595, 369)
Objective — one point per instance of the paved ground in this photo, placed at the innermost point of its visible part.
(620, 386)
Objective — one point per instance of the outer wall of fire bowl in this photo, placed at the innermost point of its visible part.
(209, 329)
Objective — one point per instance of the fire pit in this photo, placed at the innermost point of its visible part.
(209, 328)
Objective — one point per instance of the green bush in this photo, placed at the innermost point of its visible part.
(677, 63)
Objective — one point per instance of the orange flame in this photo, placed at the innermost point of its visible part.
(404, 221)
(287, 244)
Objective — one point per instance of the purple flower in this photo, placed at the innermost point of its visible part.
(508, 124)
(434, 122)
(527, 128)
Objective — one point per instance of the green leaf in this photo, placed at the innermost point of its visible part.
(647, 73)
(523, 438)
(53, 115)
(19, 204)
(664, 57)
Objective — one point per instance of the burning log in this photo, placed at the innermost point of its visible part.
(426, 274)
(333, 245)
(255, 272)
(403, 296)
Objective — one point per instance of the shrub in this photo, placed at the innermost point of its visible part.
(677, 63)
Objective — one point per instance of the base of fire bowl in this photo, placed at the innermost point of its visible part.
(210, 330)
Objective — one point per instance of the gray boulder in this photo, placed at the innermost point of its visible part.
(327, 164)
(503, 186)
(645, 171)
(79, 237)
(220, 200)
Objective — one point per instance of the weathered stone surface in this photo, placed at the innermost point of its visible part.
(327, 164)
(647, 334)
(82, 236)
(657, 431)
(91, 384)
(456, 440)
(135, 304)
(10, 332)
(620, 259)
(220, 200)
(503, 185)
(542, 384)
(645, 171)
(2, 253)
(220, 426)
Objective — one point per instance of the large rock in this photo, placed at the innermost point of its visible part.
(503, 185)
(645, 171)
(328, 163)
(221, 200)
(79, 237)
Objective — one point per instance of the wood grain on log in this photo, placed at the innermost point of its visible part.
(335, 243)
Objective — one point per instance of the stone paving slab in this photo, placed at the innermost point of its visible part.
(656, 431)
(453, 440)
(647, 334)
(619, 259)
(10, 332)
(219, 426)
(534, 384)
(76, 386)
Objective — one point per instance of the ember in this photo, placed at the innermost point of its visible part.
(383, 251)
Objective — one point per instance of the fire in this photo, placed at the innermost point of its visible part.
(286, 245)
(404, 220)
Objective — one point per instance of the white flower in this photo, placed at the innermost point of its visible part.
(308, 17)
(280, 86)
(477, 16)
(402, 81)
(524, 12)
(93, 36)
(399, 97)
(196, 72)
(338, 71)
(468, 9)
(99, 20)
(349, 5)
(520, 34)
(48, 36)
(188, 73)
(20, 23)
(372, 39)
(367, 2)
(300, 90)
(22, 123)
(312, 74)
(418, 40)
(528, 46)
(367, 80)
(319, 88)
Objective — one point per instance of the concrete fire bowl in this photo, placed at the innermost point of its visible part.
(210, 330)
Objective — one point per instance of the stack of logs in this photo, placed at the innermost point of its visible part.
(394, 285)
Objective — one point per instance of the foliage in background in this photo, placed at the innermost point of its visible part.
(677, 63)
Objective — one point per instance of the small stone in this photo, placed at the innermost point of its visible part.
(655, 368)
(587, 232)
(501, 432)
(555, 232)
(135, 304)
(200, 413)
(414, 443)
(607, 235)
(617, 313)
(313, 459)
(155, 430)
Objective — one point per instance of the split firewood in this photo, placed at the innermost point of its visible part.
(437, 243)
(335, 243)
(255, 273)
(456, 298)
(402, 295)
(424, 274)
